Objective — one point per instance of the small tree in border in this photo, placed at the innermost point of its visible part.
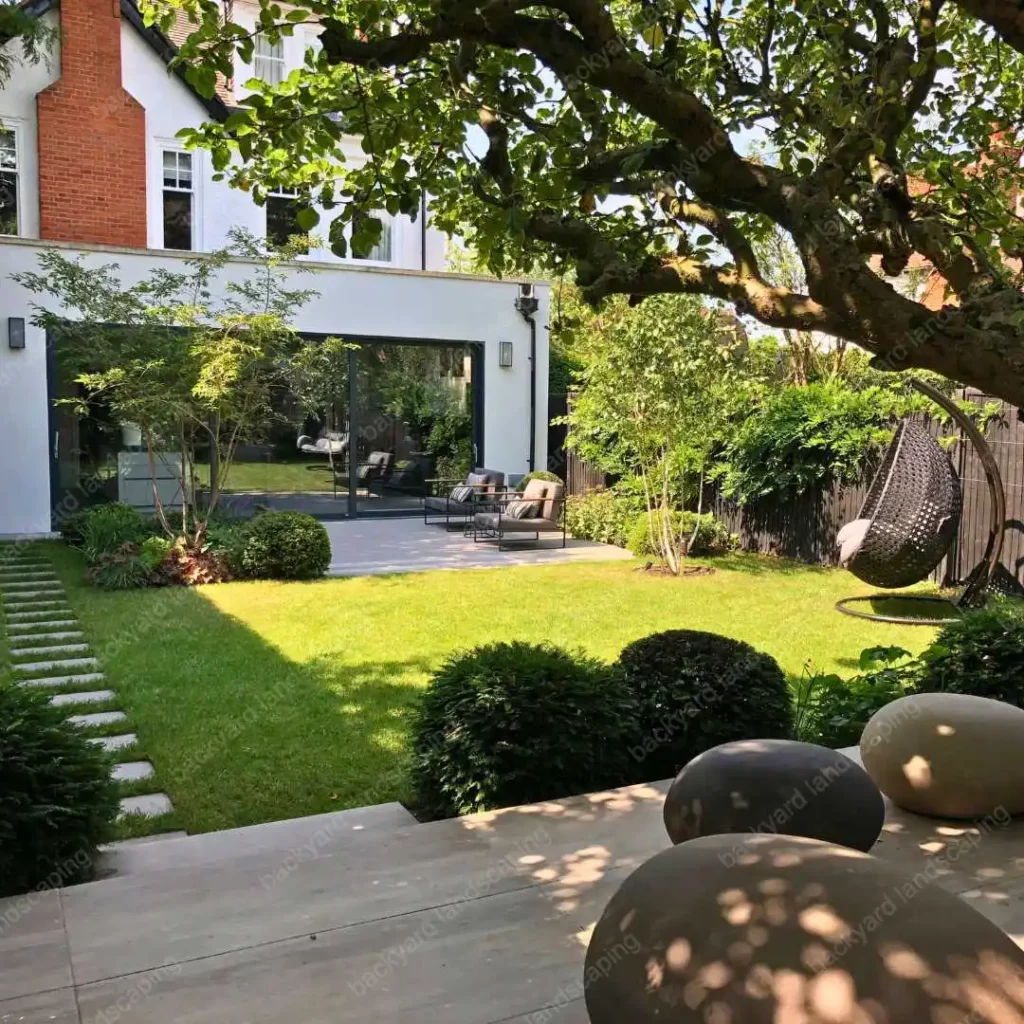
(169, 356)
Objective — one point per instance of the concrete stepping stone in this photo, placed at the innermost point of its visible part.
(22, 652)
(97, 718)
(15, 588)
(64, 663)
(17, 642)
(34, 616)
(112, 743)
(152, 805)
(35, 576)
(14, 599)
(85, 697)
(132, 771)
(23, 628)
(74, 679)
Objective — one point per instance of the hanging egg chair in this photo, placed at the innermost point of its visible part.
(911, 517)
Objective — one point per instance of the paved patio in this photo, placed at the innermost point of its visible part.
(367, 547)
(367, 916)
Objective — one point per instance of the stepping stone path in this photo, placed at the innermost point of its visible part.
(49, 650)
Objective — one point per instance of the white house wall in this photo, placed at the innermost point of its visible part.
(352, 301)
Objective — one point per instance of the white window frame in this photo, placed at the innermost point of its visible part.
(15, 128)
(389, 224)
(270, 67)
(168, 146)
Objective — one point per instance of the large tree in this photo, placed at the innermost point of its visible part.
(613, 137)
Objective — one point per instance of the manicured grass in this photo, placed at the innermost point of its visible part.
(312, 474)
(261, 701)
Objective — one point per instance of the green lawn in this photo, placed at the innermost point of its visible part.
(312, 474)
(260, 701)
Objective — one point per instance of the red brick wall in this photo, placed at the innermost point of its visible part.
(92, 136)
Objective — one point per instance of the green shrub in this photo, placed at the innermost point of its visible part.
(538, 474)
(57, 801)
(832, 711)
(513, 723)
(153, 552)
(106, 528)
(712, 537)
(695, 690)
(981, 654)
(283, 546)
(121, 569)
(603, 516)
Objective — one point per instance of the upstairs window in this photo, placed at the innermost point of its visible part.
(8, 183)
(283, 206)
(179, 198)
(268, 60)
(381, 252)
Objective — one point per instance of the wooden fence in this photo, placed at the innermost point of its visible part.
(805, 528)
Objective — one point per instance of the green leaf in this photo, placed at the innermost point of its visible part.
(307, 218)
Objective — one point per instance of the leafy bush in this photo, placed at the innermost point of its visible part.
(57, 801)
(695, 690)
(282, 545)
(538, 474)
(120, 569)
(981, 654)
(603, 516)
(513, 723)
(712, 536)
(153, 552)
(803, 437)
(106, 528)
(188, 567)
(832, 711)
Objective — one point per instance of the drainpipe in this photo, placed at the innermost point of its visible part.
(423, 231)
(527, 304)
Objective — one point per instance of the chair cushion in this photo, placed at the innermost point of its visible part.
(490, 520)
(462, 493)
(522, 509)
(445, 506)
(851, 537)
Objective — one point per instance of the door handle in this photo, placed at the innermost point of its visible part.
(56, 444)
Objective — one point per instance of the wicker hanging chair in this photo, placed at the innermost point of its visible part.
(913, 507)
(911, 517)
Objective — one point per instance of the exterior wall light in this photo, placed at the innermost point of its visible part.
(505, 354)
(16, 332)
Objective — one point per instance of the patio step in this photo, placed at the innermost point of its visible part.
(22, 652)
(58, 664)
(97, 718)
(151, 805)
(19, 576)
(73, 678)
(114, 743)
(16, 588)
(33, 615)
(318, 835)
(18, 641)
(24, 628)
(61, 700)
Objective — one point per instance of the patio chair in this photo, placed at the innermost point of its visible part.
(539, 510)
(332, 443)
(372, 473)
(464, 499)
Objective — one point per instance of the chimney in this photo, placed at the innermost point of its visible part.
(92, 136)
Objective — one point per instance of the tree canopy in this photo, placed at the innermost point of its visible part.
(613, 138)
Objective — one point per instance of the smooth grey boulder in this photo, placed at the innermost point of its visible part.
(775, 787)
(794, 930)
(948, 755)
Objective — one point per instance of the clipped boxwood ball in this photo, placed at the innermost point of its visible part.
(775, 786)
(741, 929)
(57, 801)
(282, 546)
(695, 690)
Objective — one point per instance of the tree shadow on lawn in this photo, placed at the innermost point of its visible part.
(240, 734)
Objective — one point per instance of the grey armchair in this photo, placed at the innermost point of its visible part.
(508, 530)
(443, 508)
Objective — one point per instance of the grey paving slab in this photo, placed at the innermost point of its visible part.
(476, 963)
(61, 700)
(96, 718)
(25, 652)
(59, 609)
(26, 629)
(15, 642)
(72, 679)
(57, 1006)
(149, 805)
(114, 743)
(317, 835)
(33, 950)
(267, 896)
(131, 771)
(58, 663)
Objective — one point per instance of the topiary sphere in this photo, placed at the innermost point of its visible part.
(775, 786)
(515, 723)
(741, 929)
(282, 546)
(57, 800)
(695, 690)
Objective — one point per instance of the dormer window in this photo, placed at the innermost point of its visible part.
(178, 198)
(268, 60)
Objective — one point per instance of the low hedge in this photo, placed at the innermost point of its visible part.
(283, 546)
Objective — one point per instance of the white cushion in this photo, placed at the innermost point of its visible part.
(850, 538)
